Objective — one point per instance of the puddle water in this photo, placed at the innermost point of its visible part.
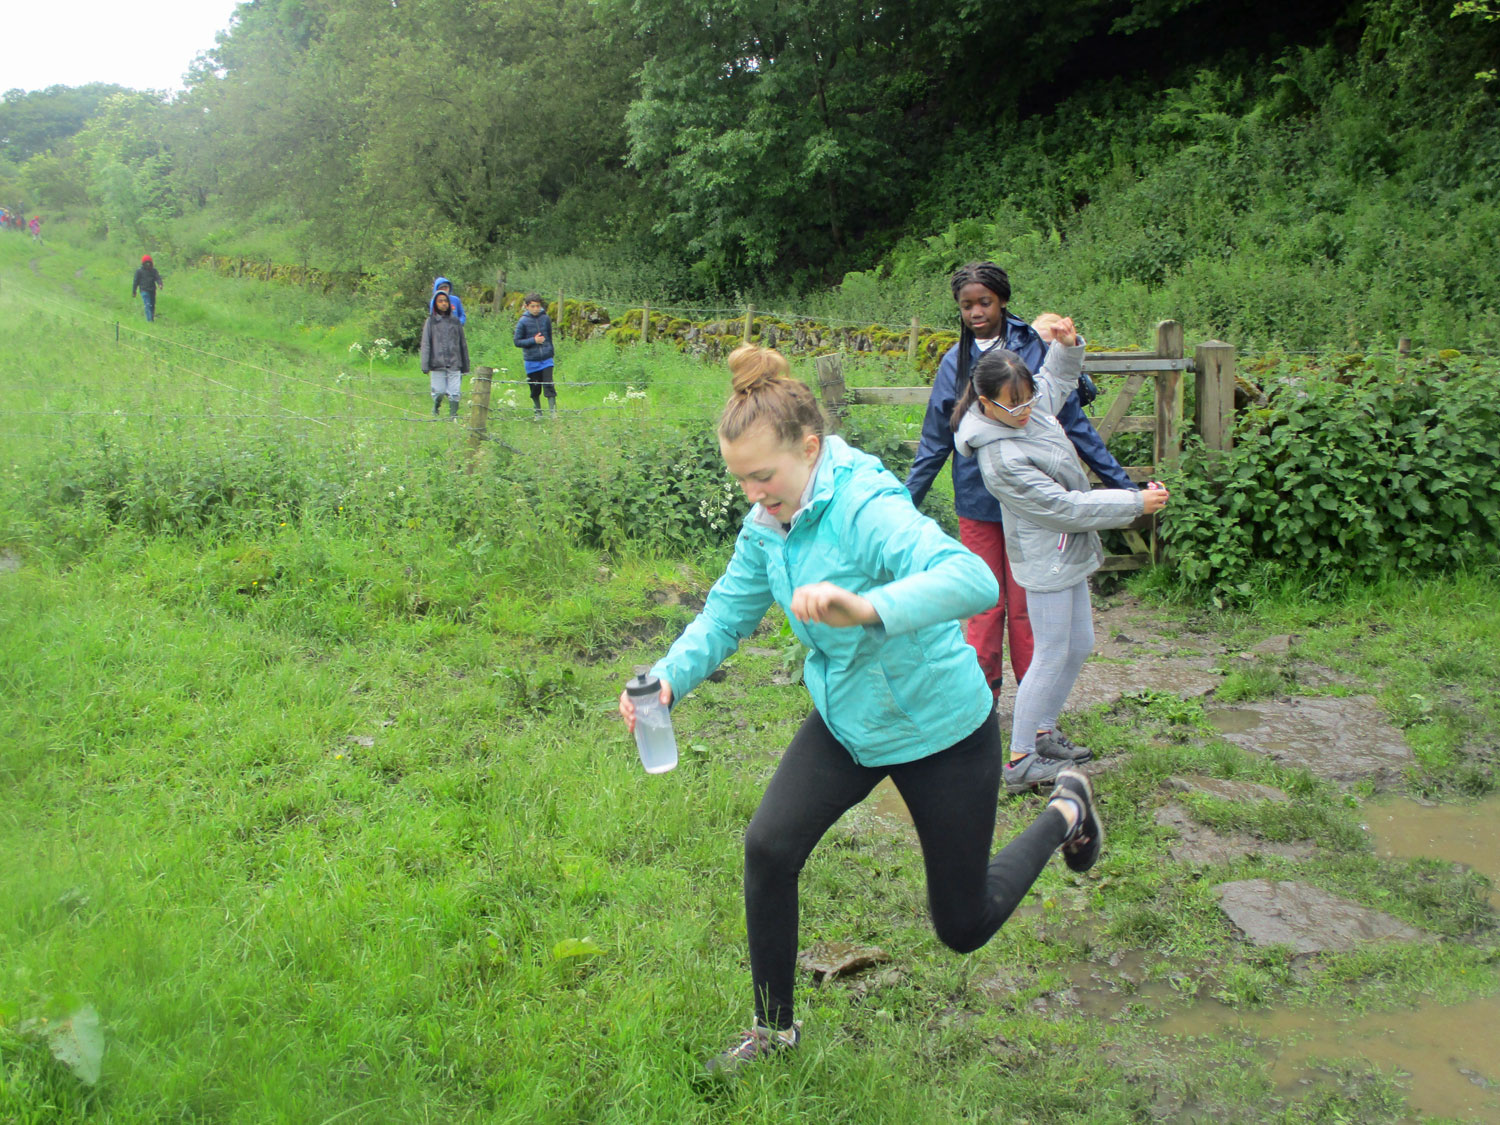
(1232, 720)
(1106, 993)
(1460, 833)
(1442, 1056)
(888, 802)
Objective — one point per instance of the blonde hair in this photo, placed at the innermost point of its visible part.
(764, 391)
(1045, 321)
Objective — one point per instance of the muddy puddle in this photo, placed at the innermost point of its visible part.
(888, 803)
(1467, 833)
(1441, 1056)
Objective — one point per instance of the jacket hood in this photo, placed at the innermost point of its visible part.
(441, 281)
(975, 430)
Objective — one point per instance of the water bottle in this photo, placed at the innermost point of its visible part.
(653, 724)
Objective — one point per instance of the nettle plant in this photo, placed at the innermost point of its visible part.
(655, 485)
(1382, 467)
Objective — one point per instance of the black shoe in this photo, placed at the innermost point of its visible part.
(1082, 845)
(1059, 747)
(759, 1042)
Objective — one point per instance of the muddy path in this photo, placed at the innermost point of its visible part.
(1271, 893)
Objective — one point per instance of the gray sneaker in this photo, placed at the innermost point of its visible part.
(1056, 745)
(759, 1042)
(1031, 772)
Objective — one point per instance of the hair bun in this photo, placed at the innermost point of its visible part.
(754, 369)
(748, 382)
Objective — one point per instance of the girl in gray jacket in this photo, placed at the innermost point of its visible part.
(1007, 420)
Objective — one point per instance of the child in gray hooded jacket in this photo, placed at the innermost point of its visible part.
(1007, 420)
(444, 355)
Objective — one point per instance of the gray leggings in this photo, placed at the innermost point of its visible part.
(1063, 627)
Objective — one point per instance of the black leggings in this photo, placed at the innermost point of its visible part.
(951, 796)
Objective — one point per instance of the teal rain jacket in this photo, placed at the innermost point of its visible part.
(892, 692)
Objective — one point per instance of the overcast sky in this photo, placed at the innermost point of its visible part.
(144, 44)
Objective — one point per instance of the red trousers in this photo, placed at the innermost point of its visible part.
(987, 629)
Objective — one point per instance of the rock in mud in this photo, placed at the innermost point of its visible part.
(1201, 846)
(1277, 646)
(1343, 740)
(826, 960)
(1307, 918)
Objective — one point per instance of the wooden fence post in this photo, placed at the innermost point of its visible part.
(1168, 445)
(1403, 346)
(560, 319)
(645, 321)
(911, 341)
(483, 377)
(499, 299)
(268, 269)
(749, 321)
(1168, 393)
(1213, 389)
(830, 370)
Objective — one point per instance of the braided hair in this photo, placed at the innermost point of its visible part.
(997, 281)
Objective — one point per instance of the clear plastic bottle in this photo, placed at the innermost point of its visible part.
(653, 724)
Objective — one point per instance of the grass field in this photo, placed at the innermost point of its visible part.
(314, 791)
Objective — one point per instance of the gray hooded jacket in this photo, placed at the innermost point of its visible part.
(444, 346)
(1051, 515)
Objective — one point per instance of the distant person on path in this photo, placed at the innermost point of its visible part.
(534, 338)
(443, 285)
(36, 228)
(874, 589)
(1006, 422)
(982, 292)
(445, 355)
(146, 281)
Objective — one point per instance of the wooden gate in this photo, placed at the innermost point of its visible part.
(1213, 412)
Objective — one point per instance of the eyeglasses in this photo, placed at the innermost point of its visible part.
(1020, 407)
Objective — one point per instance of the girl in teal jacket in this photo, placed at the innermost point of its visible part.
(874, 590)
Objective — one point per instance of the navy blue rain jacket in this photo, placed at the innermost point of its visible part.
(970, 497)
(458, 305)
(526, 329)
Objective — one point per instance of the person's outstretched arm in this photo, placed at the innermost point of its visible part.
(1032, 494)
(734, 607)
(1090, 445)
(933, 577)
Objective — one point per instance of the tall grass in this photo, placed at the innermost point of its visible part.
(315, 791)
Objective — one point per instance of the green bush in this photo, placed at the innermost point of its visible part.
(654, 485)
(1345, 477)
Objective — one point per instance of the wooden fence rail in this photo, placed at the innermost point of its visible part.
(1213, 417)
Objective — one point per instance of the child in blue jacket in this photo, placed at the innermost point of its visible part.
(534, 337)
(874, 590)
